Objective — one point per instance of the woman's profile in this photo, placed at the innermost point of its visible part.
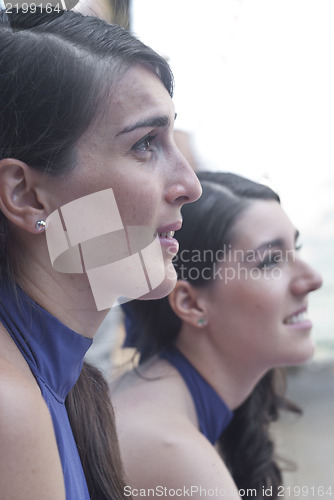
(86, 139)
(196, 412)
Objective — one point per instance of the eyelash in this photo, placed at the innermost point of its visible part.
(270, 260)
(145, 142)
(275, 258)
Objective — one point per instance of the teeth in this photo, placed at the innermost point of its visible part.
(169, 234)
(297, 318)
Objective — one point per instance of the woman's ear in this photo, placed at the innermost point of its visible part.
(21, 194)
(185, 300)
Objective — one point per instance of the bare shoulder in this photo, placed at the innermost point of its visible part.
(29, 462)
(161, 445)
(170, 454)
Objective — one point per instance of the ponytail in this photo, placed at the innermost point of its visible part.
(92, 420)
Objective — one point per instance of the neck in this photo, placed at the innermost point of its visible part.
(231, 378)
(68, 297)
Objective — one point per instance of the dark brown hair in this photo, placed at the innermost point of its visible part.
(92, 420)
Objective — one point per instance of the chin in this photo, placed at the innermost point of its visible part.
(308, 354)
(302, 355)
(164, 288)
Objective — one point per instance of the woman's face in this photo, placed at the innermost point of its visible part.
(131, 150)
(257, 310)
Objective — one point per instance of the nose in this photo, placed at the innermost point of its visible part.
(183, 185)
(306, 279)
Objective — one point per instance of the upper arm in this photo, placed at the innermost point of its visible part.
(30, 467)
(176, 458)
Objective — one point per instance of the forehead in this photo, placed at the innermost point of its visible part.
(262, 220)
(137, 95)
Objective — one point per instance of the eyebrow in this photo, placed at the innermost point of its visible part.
(156, 121)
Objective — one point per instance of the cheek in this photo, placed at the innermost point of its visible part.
(247, 301)
(263, 304)
(138, 202)
(260, 299)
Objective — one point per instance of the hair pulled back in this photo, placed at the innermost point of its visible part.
(56, 72)
(208, 225)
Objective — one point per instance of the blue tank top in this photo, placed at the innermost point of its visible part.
(212, 413)
(55, 355)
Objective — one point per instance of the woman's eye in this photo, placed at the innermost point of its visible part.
(144, 145)
(270, 261)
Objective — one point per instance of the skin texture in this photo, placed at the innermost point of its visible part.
(151, 181)
(29, 464)
(246, 333)
(165, 421)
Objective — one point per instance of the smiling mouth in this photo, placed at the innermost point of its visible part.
(168, 234)
(296, 318)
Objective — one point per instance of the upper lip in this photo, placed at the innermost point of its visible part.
(298, 311)
(174, 226)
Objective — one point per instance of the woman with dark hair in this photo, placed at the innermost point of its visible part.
(91, 182)
(196, 412)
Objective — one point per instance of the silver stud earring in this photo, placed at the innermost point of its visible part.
(202, 322)
(40, 225)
